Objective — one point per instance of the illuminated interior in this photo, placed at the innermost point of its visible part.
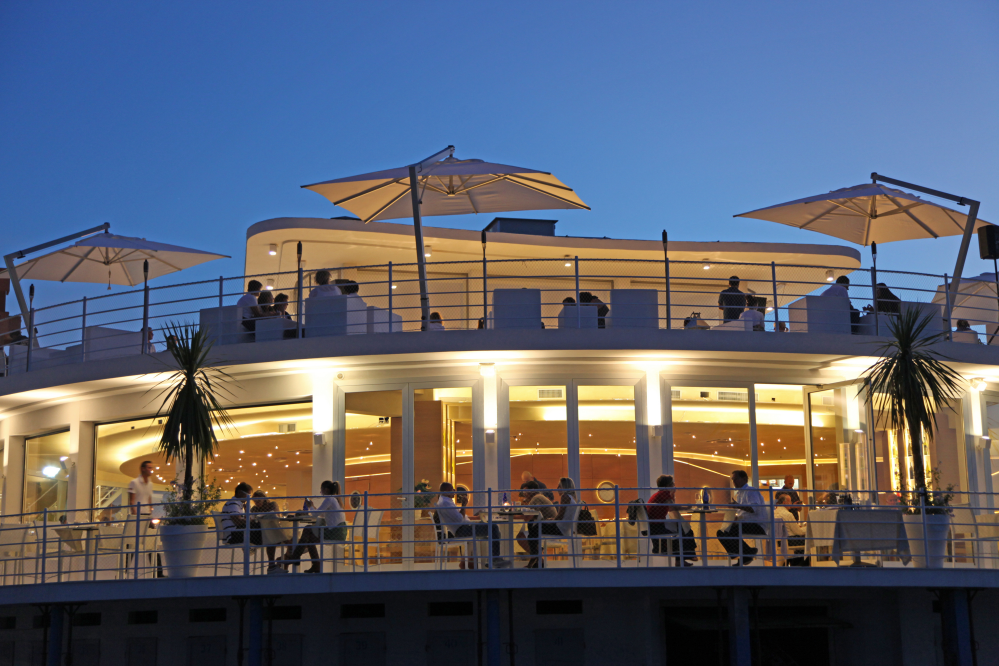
(47, 470)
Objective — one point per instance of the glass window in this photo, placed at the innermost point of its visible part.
(840, 450)
(607, 449)
(710, 438)
(780, 421)
(270, 448)
(46, 473)
(442, 425)
(538, 434)
(374, 446)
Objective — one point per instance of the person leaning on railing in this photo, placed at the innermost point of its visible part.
(750, 513)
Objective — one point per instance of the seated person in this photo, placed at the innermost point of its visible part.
(281, 306)
(435, 322)
(794, 499)
(150, 347)
(348, 287)
(731, 301)
(261, 504)
(248, 302)
(795, 531)
(323, 287)
(750, 516)
(526, 476)
(660, 508)
(568, 300)
(265, 305)
(602, 309)
(964, 333)
(234, 519)
(528, 539)
(329, 518)
(754, 312)
(460, 526)
(888, 303)
(841, 289)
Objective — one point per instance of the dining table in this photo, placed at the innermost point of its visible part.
(504, 519)
(71, 536)
(856, 530)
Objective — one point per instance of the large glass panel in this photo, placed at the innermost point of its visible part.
(710, 438)
(780, 420)
(840, 450)
(607, 447)
(46, 473)
(538, 434)
(442, 426)
(270, 447)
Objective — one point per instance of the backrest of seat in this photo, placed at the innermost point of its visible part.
(219, 531)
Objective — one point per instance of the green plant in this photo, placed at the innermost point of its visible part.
(193, 510)
(936, 502)
(191, 401)
(909, 381)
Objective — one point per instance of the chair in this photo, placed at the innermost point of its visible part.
(575, 316)
(346, 546)
(965, 336)
(735, 325)
(231, 547)
(225, 325)
(374, 523)
(821, 314)
(325, 315)
(269, 329)
(569, 536)
(111, 542)
(13, 546)
(445, 543)
(100, 342)
(633, 308)
(516, 308)
(964, 530)
(645, 537)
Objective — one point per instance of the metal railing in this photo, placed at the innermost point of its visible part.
(473, 530)
(535, 293)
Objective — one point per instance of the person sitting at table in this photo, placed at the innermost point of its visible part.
(323, 288)
(662, 507)
(248, 303)
(964, 333)
(787, 490)
(264, 505)
(753, 312)
(234, 518)
(329, 518)
(750, 516)
(265, 305)
(840, 290)
(459, 526)
(435, 322)
(546, 514)
(527, 477)
(602, 309)
(795, 531)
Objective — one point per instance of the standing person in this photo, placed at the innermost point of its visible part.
(329, 518)
(323, 287)
(545, 518)
(248, 303)
(794, 499)
(750, 514)
(731, 301)
(662, 507)
(140, 499)
(234, 520)
(461, 526)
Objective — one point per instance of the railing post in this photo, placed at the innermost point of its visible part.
(579, 306)
(926, 541)
(145, 319)
(221, 289)
(489, 508)
(669, 316)
(617, 523)
(45, 540)
(246, 537)
(31, 338)
(773, 279)
(298, 311)
(83, 331)
(950, 324)
(874, 293)
(485, 292)
(773, 530)
(390, 297)
(364, 547)
(138, 539)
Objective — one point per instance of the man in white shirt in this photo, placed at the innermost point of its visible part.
(323, 288)
(248, 303)
(461, 527)
(840, 288)
(234, 516)
(795, 531)
(751, 313)
(140, 499)
(750, 515)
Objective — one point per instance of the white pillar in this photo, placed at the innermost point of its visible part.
(490, 433)
(327, 439)
(80, 493)
(13, 476)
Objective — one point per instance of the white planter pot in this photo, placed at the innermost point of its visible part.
(937, 529)
(182, 545)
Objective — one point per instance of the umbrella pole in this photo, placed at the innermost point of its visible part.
(420, 258)
(666, 264)
(995, 274)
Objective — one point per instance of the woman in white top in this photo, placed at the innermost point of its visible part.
(329, 518)
(795, 531)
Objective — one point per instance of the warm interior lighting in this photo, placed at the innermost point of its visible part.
(50, 471)
(272, 250)
(427, 251)
(707, 265)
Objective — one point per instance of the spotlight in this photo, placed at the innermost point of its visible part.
(979, 384)
(50, 471)
(272, 250)
(829, 276)
(427, 251)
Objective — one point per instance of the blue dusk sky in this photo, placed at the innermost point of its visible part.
(186, 122)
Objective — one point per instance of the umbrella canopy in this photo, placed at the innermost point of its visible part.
(449, 187)
(112, 259)
(975, 300)
(866, 214)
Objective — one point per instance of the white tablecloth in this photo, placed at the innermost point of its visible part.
(857, 530)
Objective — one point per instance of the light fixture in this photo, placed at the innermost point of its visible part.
(393, 286)
(829, 276)
(568, 263)
(63, 458)
(270, 284)
(272, 250)
(50, 471)
(427, 251)
(979, 384)
(706, 264)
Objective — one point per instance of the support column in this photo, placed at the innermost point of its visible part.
(489, 431)
(956, 627)
(255, 652)
(80, 494)
(325, 416)
(739, 644)
(13, 476)
(494, 648)
(57, 617)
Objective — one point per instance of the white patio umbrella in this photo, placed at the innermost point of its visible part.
(444, 185)
(865, 214)
(975, 300)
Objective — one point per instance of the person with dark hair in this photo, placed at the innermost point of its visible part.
(731, 301)
(888, 303)
(794, 499)
(329, 518)
(281, 306)
(348, 287)
(526, 476)
(545, 518)
(265, 304)
(233, 518)
(841, 290)
(460, 526)
(248, 303)
(662, 507)
(323, 287)
(435, 322)
(796, 532)
(266, 526)
(754, 311)
(750, 516)
(602, 310)
(569, 300)
(140, 499)
(964, 333)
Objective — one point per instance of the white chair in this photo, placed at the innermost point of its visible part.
(325, 315)
(378, 321)
(225, 325)
(734, 325)
(269, 329)
(820, 314)
(965, 336)
(232, 548)
(340, 550)
(372, 532)
(576, 316)
(516, 308)
(446, 541)
(101, 343)
(645, 536)
(13, 548)
(111, 543)
(633, 308)
(568, 535)
(357, 315)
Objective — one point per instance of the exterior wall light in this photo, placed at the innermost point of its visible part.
(707, 265)
(829, 276)
(272, 250)
(270, 284)
(568, 262)
(427, 251)
(979, 384)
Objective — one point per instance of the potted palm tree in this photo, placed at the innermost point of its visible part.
(907, 385)
(192, 409)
